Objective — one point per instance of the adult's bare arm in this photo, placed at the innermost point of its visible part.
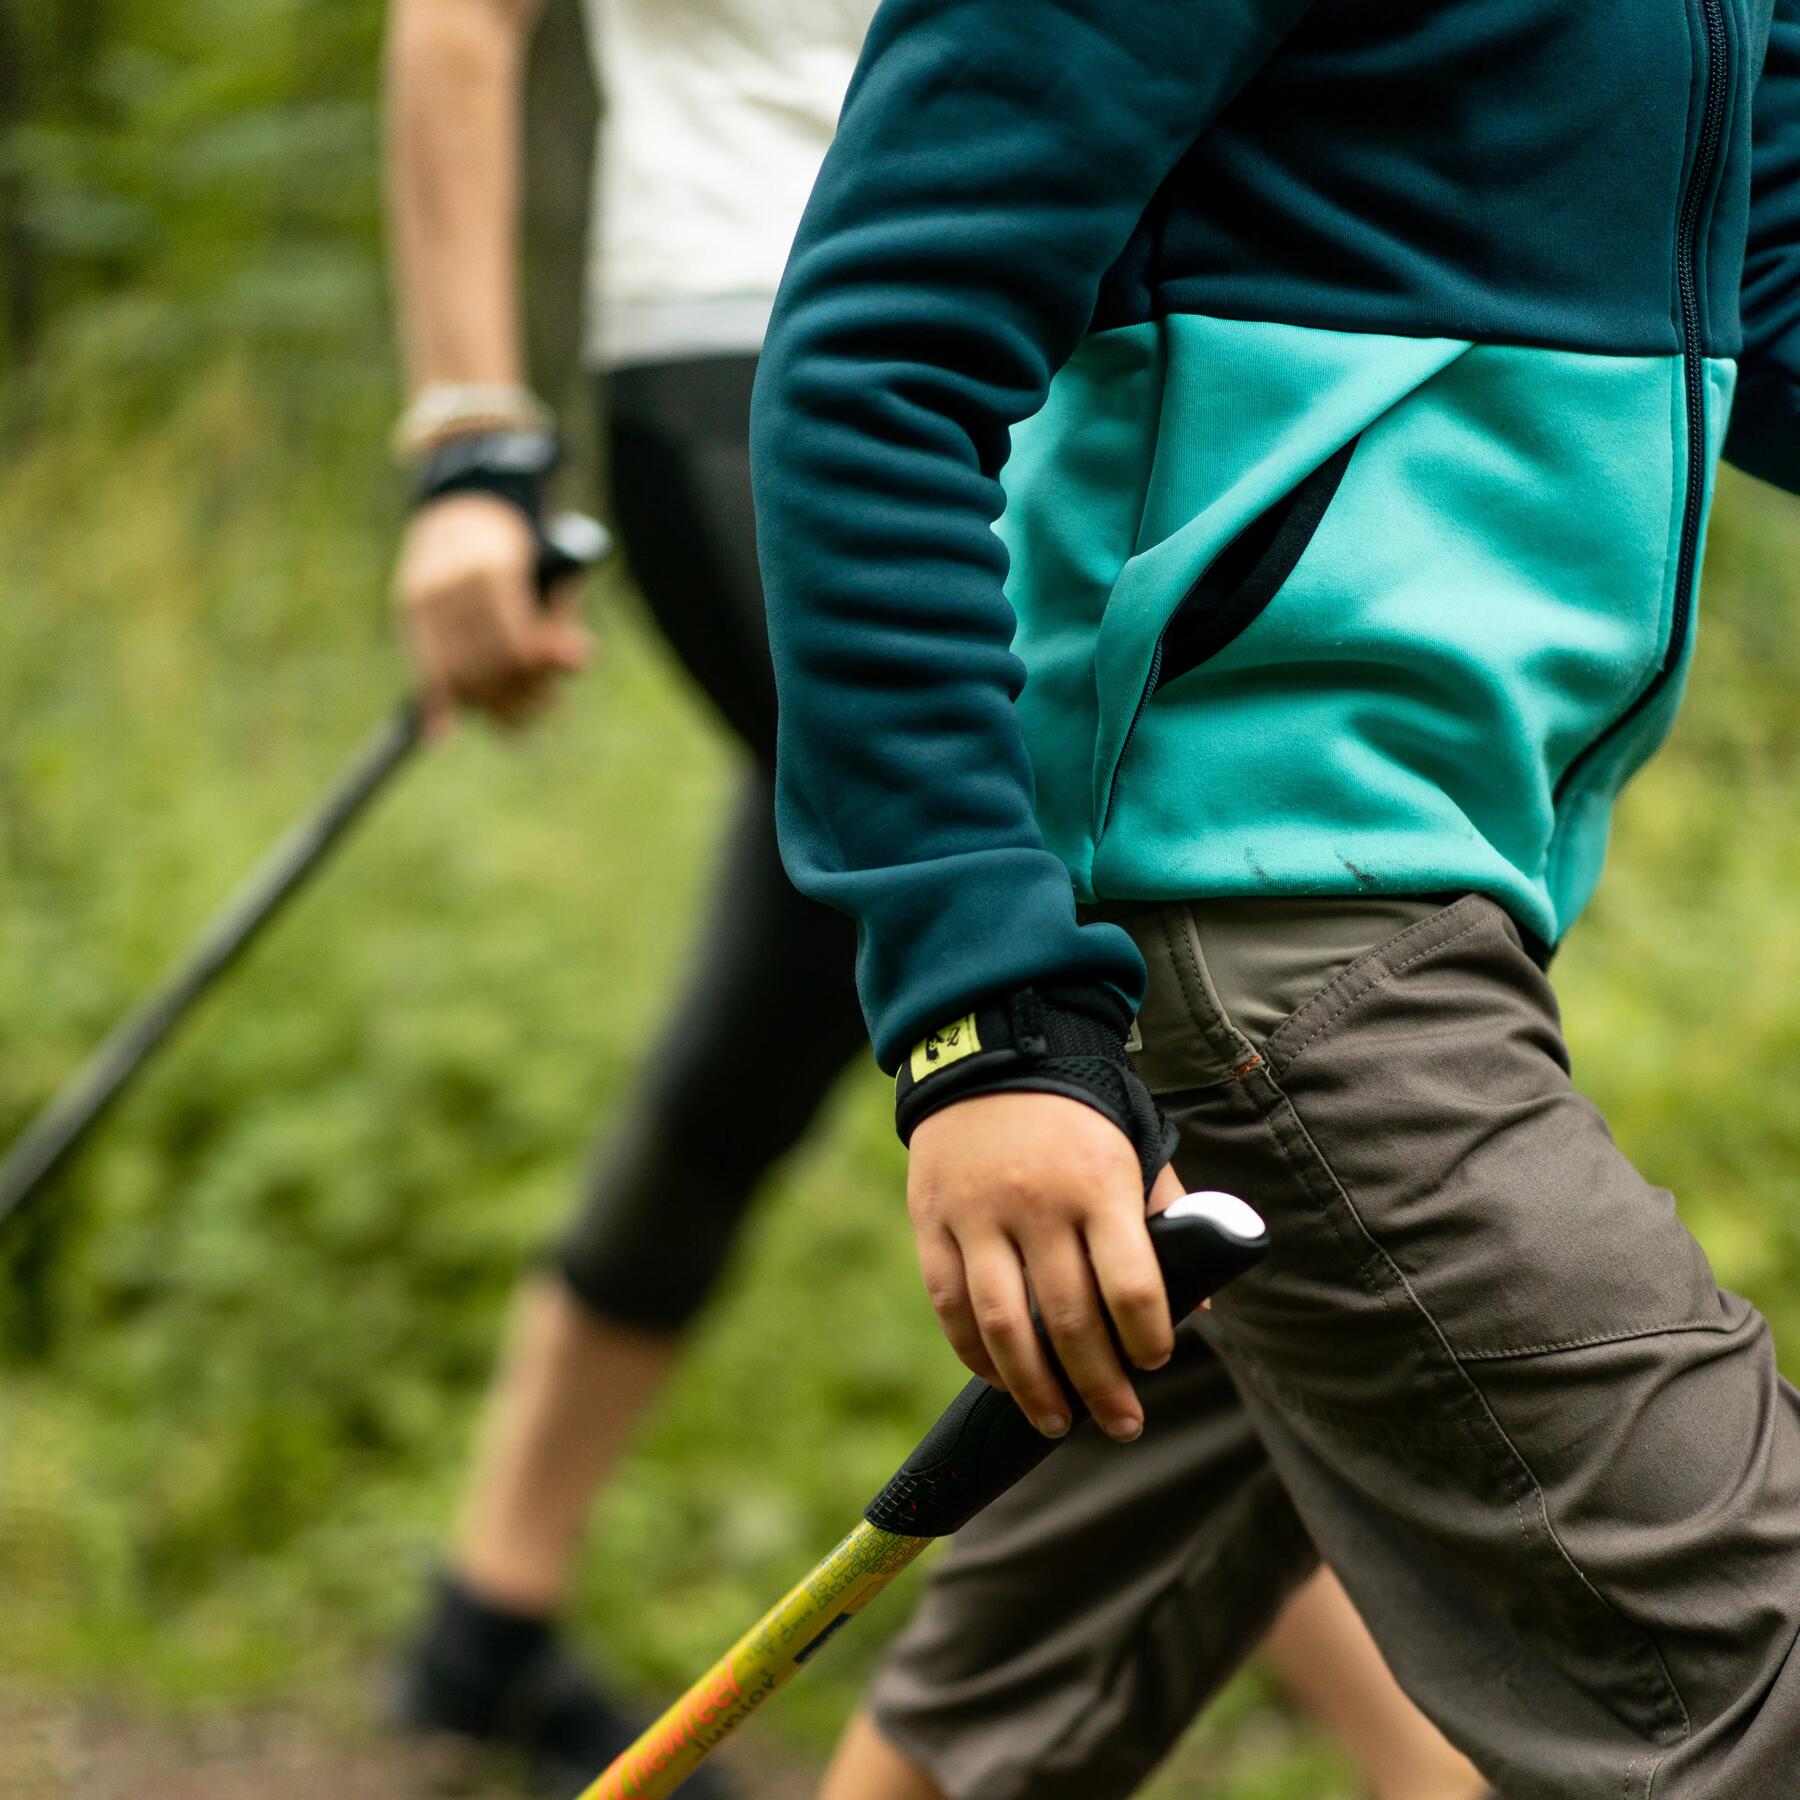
(464, 587)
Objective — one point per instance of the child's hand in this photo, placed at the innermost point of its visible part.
(1010, 1189)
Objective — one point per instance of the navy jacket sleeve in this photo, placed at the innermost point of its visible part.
(992, 161)
(1765, 422)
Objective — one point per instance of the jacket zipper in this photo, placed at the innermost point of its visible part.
(1687, 279)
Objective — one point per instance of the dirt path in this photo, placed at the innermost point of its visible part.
(57, 1751)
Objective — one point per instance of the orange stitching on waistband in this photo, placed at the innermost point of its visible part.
(1245, 1070)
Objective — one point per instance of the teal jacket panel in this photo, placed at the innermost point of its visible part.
(1402, 694)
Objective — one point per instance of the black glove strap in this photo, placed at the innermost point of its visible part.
(508, 465)
(1037, 1044)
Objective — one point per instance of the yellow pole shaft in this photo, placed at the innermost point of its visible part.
(767, 1656)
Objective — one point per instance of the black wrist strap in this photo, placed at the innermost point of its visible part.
(1037, 1043)
(507, 465)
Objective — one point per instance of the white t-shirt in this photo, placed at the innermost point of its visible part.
(718, 114)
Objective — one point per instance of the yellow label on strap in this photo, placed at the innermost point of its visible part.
(946, 1046)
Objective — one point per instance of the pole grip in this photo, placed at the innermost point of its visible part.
(983, 1444)
(569, 544)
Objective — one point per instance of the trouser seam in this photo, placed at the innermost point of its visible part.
(1234, 1049)
(1369, 1264)
(1690, 1327)
(1368, 978)
(1517, 1480)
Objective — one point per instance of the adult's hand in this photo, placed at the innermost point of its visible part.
(479, 634)
(1022, 1196)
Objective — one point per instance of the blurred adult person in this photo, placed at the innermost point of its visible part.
(717, 114)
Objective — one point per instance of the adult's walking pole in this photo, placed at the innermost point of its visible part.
(571, 543)
(980, 1447)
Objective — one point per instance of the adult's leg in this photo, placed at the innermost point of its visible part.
(595, 1335)
(597, 1332)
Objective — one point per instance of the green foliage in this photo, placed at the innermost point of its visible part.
(266, 1301)
(176, 178)
(245, 1340)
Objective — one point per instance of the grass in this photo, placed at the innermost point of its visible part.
(244, 1342)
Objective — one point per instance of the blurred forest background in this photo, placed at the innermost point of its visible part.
(241, 1344)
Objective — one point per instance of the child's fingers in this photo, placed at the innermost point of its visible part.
(941, 1264)
(1002, 1311)
(1068, 1303)
(1131, 1284)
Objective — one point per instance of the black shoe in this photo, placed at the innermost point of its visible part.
(502, 1680)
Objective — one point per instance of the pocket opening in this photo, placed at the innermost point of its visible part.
(1232, 592)
(1235, 588)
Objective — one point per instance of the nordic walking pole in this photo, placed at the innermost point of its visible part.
(572, 543)
(978, 1449)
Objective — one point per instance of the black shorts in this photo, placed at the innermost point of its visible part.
(708, 1117)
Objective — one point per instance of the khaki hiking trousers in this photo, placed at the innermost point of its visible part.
(1485, 1372)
